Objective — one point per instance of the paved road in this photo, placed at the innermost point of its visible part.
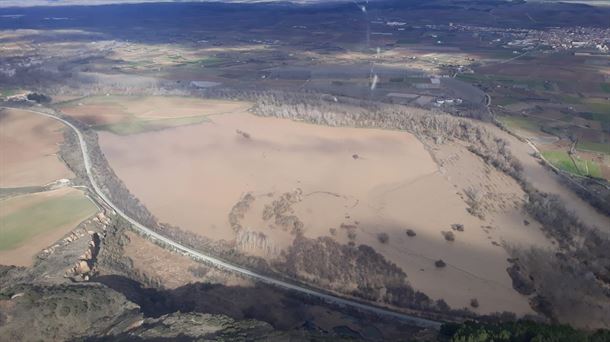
(421, 322)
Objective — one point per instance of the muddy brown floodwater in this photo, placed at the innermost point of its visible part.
(370, 180)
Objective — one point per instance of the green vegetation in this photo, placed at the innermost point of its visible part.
(504, 100)
(410, 80)
(594, 147)
(570, 99)
(520, 331)
(25, 223)
(4, 92)
(209, 61)
(97, 99)
(504, 80)
(11, 192)
(519, 122)
(134, 125)
(599, 106)
(577, 166)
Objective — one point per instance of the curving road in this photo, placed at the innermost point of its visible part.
(417, 321)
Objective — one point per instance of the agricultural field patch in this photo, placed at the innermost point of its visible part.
(594, 146)
(31, 222)
(599, 106)
(573, 164)
(520, 122)
(136, 114)
(29, 144)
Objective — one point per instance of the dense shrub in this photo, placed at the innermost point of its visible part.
(383, 238)
(457, 227)
(449, 236)
(518, 331)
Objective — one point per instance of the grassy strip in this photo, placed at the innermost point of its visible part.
(519, 122)
(594, 147)
(562, 160)
(599, 106)
(18, 227)
(99, 99)
(507, 81)
(206, 61)
(135, 125)
(9, 91)
(10, 192)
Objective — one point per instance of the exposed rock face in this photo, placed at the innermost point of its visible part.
(93, 312)
(84, 267)
(63, 312)
(203, 326)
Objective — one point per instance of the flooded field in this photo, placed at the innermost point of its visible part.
(353, 185)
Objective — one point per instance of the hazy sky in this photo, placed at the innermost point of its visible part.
(23, 3)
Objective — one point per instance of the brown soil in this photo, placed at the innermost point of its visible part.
(28, 150)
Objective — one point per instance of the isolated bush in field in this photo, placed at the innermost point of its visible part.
(474, 303)
(457, 227)
(449, 236)
(411, 232)
(333, 231)
(243, 134)
(440, 263)
(198, 271)
(383, 237)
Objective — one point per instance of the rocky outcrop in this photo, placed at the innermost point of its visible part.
(202, 326)
(84, 267)
(63, 312)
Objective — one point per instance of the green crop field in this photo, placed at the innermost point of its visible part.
(27, 222)
(562, 160)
